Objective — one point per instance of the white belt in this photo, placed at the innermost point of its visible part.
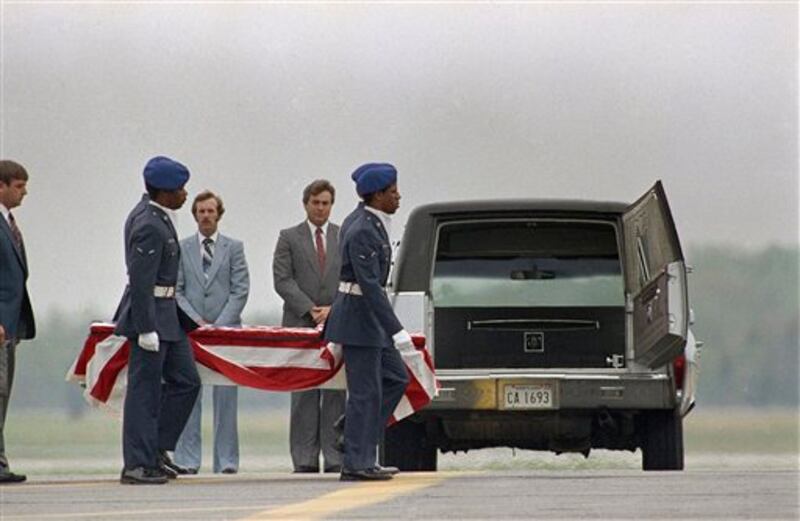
(164, 291)
(351, 288)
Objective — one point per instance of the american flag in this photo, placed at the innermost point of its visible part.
(263, 357)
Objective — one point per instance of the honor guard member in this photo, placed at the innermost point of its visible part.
(363, 321)
(162, 378)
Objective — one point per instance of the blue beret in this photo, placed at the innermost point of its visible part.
(374, 177)
(165, 174)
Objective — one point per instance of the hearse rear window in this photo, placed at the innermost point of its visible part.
(525, 263)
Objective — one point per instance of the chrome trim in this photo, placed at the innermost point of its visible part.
(542, 372)
(570, 391)
(630, 355)
(481, 324)
(692, 353)
(562, 376)
(678, 308)
(420, 319)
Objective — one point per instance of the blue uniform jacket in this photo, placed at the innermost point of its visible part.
(16, 314)
(367, 319)
(152, 256)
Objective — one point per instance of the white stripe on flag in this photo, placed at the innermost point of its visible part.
(103, 352)
(270, 356)
(415, 362)
(403, 409)
(211, 377)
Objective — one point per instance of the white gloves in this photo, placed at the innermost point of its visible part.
(149, 341)
(402, 342)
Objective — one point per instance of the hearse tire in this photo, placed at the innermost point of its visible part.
(406, 447)
(661, 440)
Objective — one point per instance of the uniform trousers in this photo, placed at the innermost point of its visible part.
(155, 412)
(376, 381)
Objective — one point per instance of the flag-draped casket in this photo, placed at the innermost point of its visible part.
(263, 357)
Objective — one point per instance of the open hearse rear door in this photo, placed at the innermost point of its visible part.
(655, 279)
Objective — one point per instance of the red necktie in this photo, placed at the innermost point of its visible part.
(320, 250)
(12, 223)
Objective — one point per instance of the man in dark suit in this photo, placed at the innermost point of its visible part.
(363, 321)
(213, 285)
(155, 412)
(306, 274)
(16, 315)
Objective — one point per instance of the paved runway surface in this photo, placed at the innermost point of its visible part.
(450, 495)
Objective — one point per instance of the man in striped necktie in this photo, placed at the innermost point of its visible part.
(208, 255)
(213, 285)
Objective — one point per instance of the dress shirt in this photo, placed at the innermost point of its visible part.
(5, 211)
(200, 238)
(170, 213)
(385, 218)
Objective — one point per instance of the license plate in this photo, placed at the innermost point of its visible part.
(528, 396)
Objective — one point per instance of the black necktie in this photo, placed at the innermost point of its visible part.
(208, 254)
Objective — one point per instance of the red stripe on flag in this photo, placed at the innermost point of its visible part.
(107, 378)
(266, 378)
(85, 355)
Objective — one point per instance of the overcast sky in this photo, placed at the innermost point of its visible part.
(582, 100)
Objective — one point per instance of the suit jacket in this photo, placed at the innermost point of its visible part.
(367, 319)
(152, 256)
(219, 298)
(297, 276)
(16, 313)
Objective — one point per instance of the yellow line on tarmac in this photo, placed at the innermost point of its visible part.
(352, 496)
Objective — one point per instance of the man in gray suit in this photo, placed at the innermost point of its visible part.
(306, 275)
(213, 285)
(16, 316)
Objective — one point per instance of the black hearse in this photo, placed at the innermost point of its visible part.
(554, 325)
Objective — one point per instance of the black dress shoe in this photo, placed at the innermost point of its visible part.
(386, 470)
(170, 468)
(10, 477)
(142, 476)
(333, 468)
(364, 475)
(229, 470)
(306, 469)
(168, 472)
